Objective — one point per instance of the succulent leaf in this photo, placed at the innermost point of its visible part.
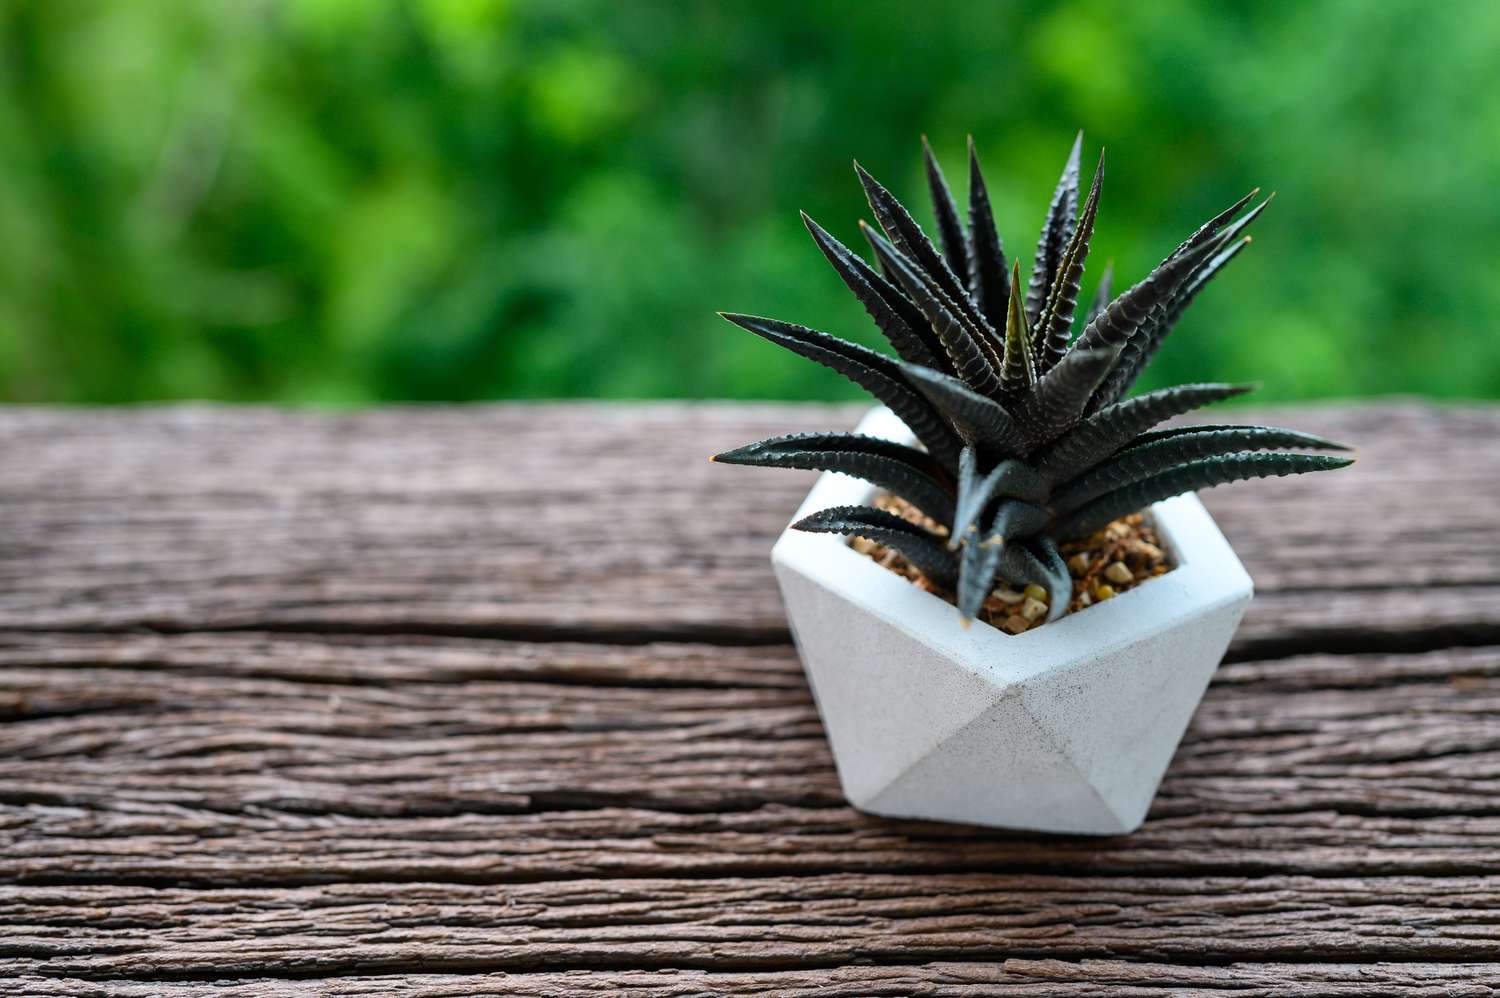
(973, 359)
(1124, 317)
(1200, 474)
(905, 471)
(907, 236)
(1056, 231)
(1214, 245)
(1059, 584)
(1307, 441)
(1025, 437)
(1143, 460)
(1055, 328)
(877, 374)
(1139, 351)
(989, 278)
(1111, 428)
(1211, 228)
(976, 418)
(950, 230)
(1011, 478)
(1038, 561)
(1019, 373)
(983, 555)
(917, 544)
(1059, 398)
(1019, 518)
(903, 323)
(976, 574)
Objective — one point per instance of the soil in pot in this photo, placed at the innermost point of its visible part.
(1118, 558)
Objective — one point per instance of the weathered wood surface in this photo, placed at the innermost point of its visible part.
(608, 521)
(498, 700)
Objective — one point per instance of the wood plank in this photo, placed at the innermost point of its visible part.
(1016, 977)
(245, 808)
(741, 923)
(178, 845)
(488, 520)
(237, 759)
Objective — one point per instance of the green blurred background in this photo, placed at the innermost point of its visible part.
(346, 201)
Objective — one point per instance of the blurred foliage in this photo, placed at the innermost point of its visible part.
(341, 201)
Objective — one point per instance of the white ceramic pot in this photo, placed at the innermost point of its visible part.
(1064, 728)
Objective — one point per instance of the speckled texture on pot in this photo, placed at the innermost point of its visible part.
(1065, 728)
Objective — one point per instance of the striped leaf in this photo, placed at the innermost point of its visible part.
(1105, 432)
(974, 361)
(1005, 547)
(1037, 560)
(916, 544)
(980, 420)
(1055, 327)
(978, 562)
(1143, 460)
(902, 322)
(950, 230)
(907, 236)
(1019, 372)
(989, 278)
(1128, 314)
(1210, 229)
(1139, 351)
(1058, 400)
(1061, 218)
(1010, 478)
(1200, 474)
(905, 471)
(876, 373)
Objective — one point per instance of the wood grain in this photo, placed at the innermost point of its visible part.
(488, 700)
(607, 521)
(740, 923)
(1018, 977)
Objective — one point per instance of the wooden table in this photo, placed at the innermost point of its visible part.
(499, 700)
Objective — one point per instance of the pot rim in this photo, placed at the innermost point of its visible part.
(1206, 574)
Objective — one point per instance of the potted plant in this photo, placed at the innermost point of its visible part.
(1008, 478)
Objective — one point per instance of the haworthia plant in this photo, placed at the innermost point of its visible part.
(1026, 438)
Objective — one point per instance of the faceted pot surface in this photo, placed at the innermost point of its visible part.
(1067, 727)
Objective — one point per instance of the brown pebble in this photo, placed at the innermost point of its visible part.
(1145, 551)
(1016, 623)
(1130, 539)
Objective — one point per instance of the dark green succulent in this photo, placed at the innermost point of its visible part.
(1026, 437)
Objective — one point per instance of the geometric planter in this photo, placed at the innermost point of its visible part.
(1067, 727)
